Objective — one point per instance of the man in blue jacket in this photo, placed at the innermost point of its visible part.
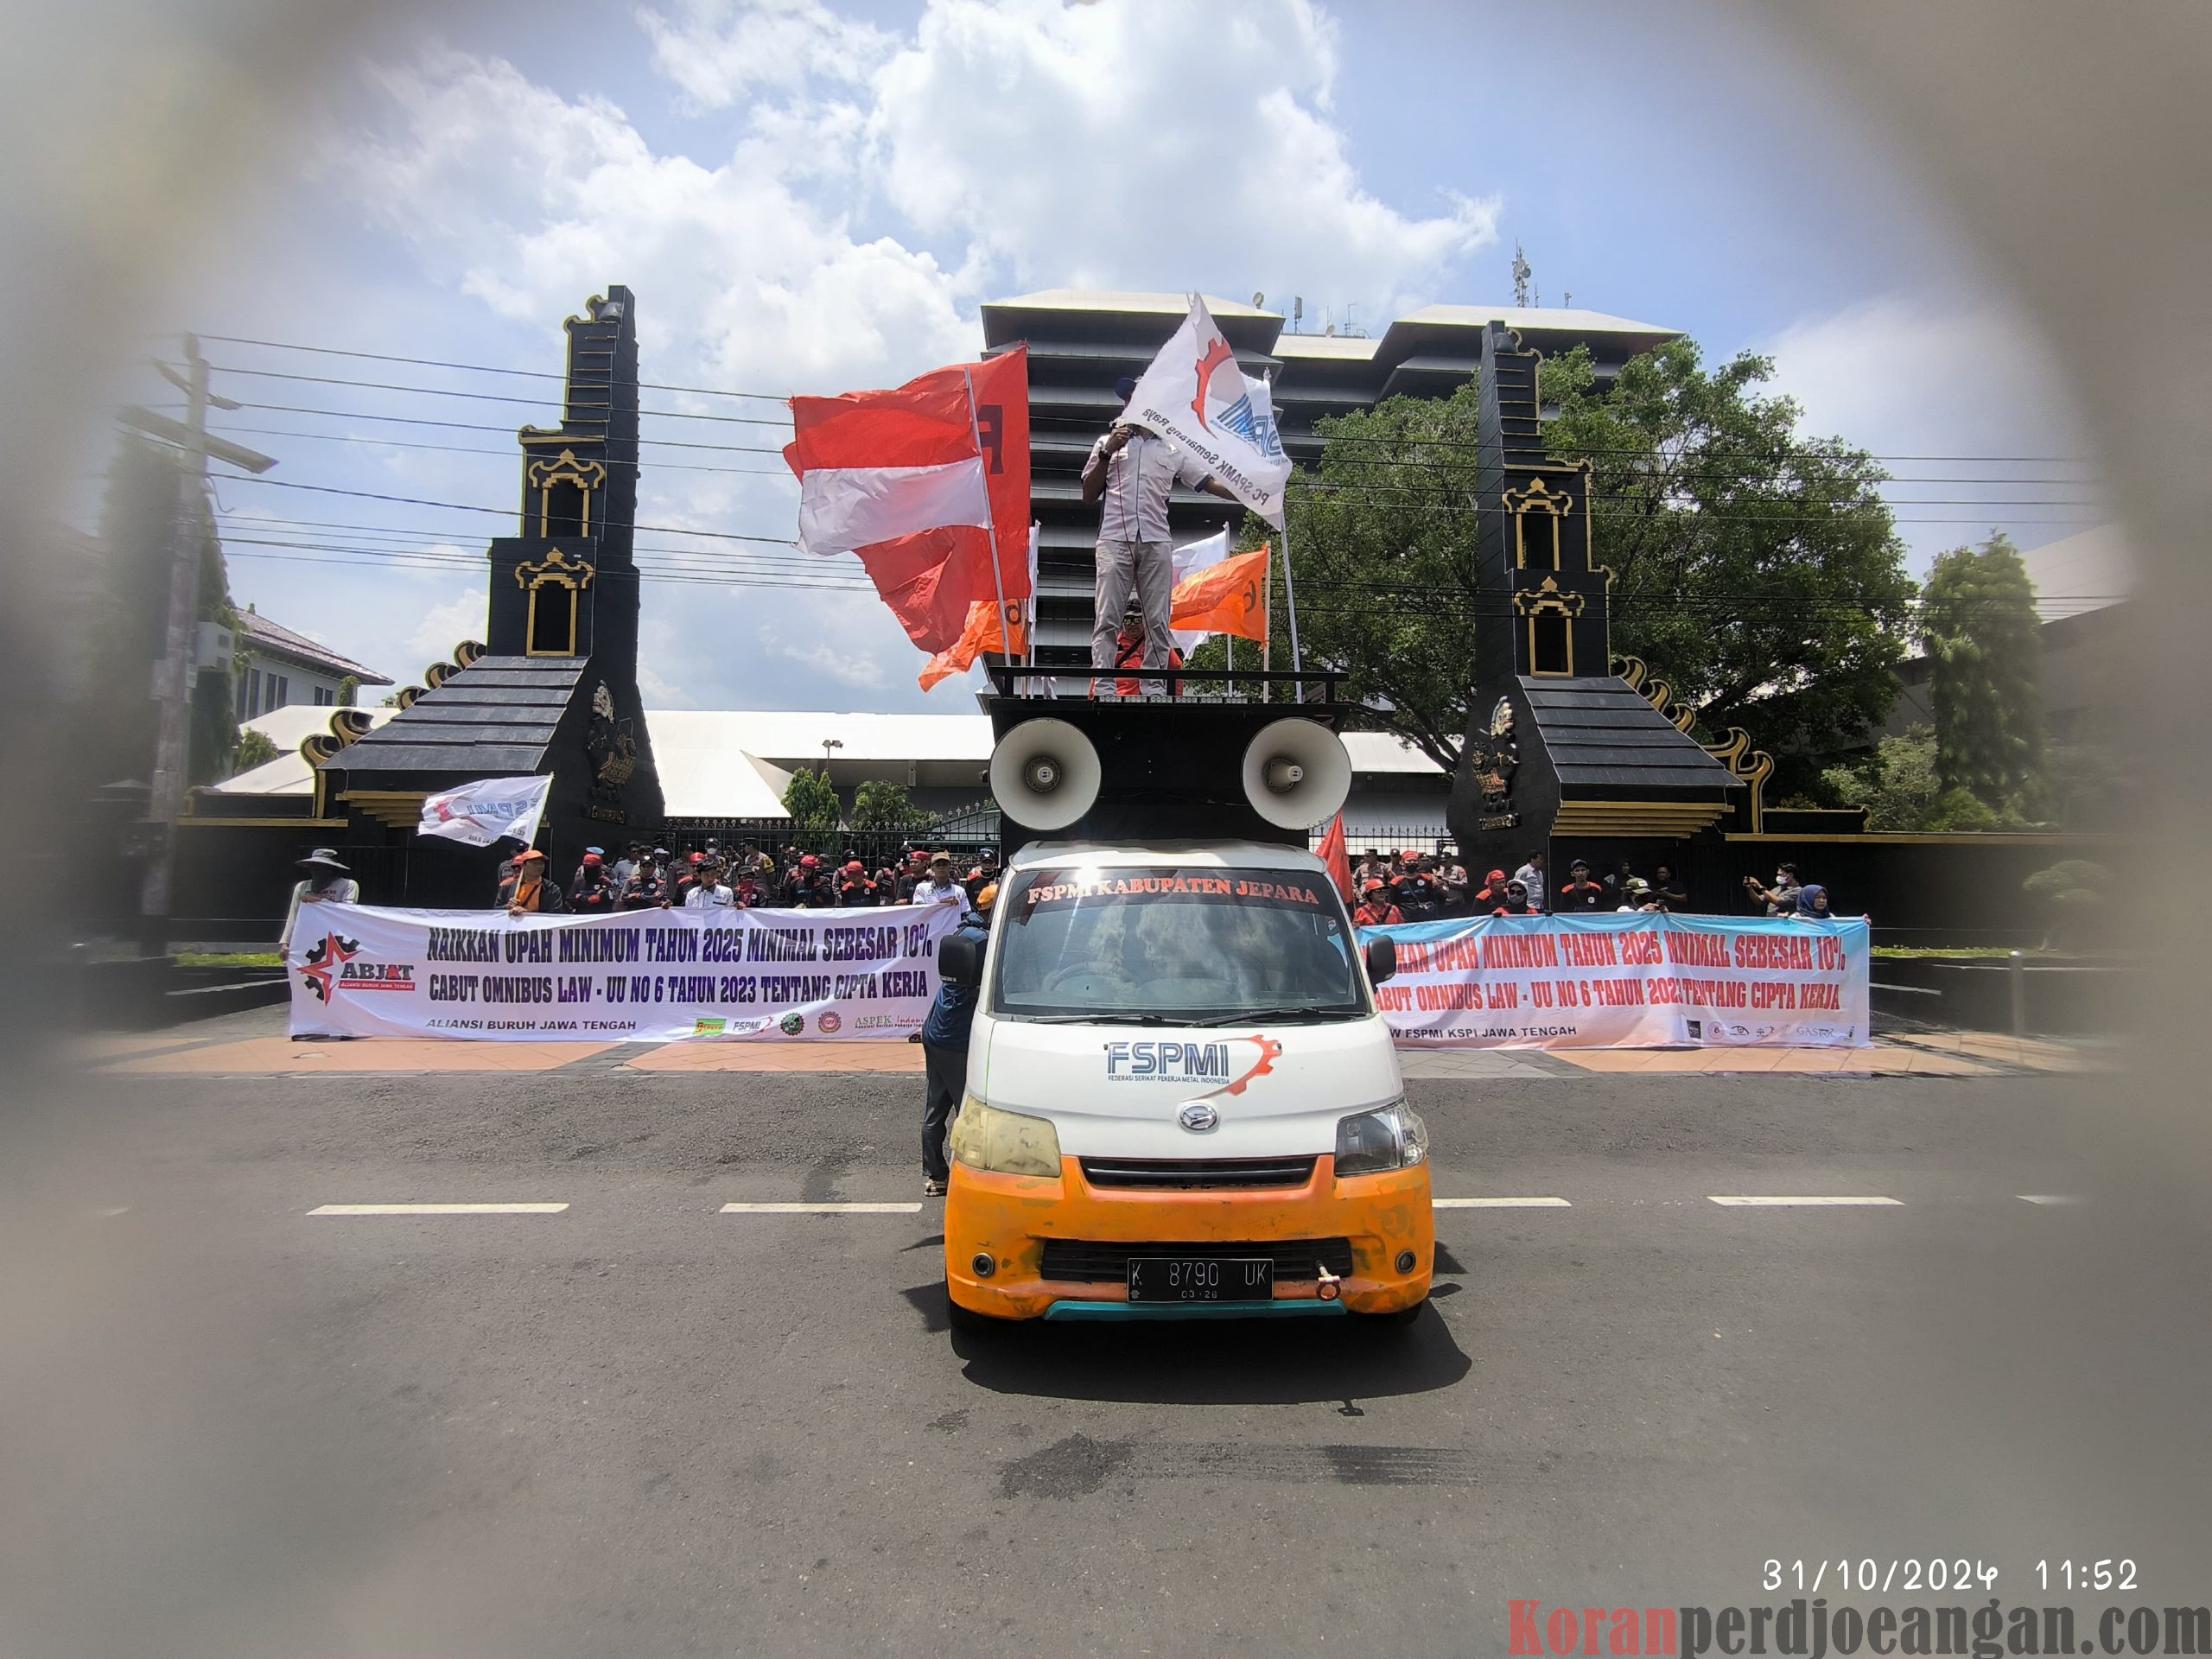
(945, 1053)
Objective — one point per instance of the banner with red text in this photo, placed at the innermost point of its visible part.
(646, 975)
(1627, 981)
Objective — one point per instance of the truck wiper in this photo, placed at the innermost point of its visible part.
(1101, 1018)
(1259, 1016)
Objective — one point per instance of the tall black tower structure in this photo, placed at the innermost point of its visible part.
(553, 689)
(1559, 748)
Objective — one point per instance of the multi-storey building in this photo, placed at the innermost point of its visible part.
(1081, 341)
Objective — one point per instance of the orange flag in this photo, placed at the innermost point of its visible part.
(1225, 598)
(1337, 857)
(985, 632)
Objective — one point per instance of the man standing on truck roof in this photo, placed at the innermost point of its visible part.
(1134, 471)
(945, 1054)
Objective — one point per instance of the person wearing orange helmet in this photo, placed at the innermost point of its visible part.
(1376, 909)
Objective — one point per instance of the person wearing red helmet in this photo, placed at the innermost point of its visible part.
(1376, 909)
(1493, 894)
(809, 889)
(853, 888)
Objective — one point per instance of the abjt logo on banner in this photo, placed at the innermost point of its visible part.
(481, 812)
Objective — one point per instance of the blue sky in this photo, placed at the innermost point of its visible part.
(814, 196)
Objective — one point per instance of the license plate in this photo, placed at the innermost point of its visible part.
(1201, 1278)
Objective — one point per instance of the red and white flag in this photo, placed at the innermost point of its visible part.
(913, 479)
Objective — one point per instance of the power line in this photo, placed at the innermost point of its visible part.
(497, 398)
(481, 426)
(507, 512)
(784, 473)
(487, 368)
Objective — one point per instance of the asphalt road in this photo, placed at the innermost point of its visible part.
(640, 1426)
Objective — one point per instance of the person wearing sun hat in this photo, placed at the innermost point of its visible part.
(327, 882)
(530, 889)
(940, 888)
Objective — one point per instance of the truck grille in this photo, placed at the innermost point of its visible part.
(1186, 1174)
(1088, 1262)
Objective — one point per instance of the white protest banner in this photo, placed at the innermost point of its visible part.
(1627, 981)
(481, 812)
(645, 975)
(1196, 398)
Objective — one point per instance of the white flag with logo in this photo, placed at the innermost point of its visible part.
(1195, 396)
(1189, 560)
(479, 813)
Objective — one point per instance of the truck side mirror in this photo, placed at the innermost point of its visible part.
(960, 961)
(1381, 958)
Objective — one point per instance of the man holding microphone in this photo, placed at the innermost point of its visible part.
(1134, 471)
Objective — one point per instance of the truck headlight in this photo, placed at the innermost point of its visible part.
(1389, 1137)
(1006, 1143)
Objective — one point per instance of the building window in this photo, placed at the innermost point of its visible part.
(280, 687)
(552, 619)
(1550, 648)
(253, 693)
(324, 697)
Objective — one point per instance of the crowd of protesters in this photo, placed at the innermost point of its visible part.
(1388, 887)
(743, 877)
(1414, 886)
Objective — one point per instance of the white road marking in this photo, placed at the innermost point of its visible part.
(438, 1210)
(2048, 1197)
(1500, 1204)
(1776, 1201)
(914, 1209)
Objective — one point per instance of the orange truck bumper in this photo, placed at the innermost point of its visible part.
(1011, 1218)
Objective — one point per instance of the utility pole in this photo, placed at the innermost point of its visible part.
(172, 676)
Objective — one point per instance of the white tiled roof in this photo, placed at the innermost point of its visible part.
(1102, 299)
(1562, 318)
(287, 728)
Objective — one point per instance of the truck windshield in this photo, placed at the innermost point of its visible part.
(1177, 946)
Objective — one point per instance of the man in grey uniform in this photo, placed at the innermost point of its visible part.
(1133, 471)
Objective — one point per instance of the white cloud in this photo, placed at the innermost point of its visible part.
(1962, 404)
(442, 627)
(837, 663)
(1148, 143)
(717, 50)
(991, 148)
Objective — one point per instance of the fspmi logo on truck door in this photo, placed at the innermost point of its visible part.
(1167, 1062)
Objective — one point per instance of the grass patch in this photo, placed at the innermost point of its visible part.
(229, 959)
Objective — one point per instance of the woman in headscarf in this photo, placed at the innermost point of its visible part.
(1812, 906)
(1517, 901)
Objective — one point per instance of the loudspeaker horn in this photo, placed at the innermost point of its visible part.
(1296, 773)
(1044, 773)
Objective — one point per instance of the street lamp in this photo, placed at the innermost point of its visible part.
(828, 744)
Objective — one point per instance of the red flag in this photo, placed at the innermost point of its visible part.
(985, 632)
(910, 463)
(1337, 857)
(1225, 598)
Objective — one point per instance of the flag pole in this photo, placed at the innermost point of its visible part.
(1268, 604)
(1290, 600)
(990, 518)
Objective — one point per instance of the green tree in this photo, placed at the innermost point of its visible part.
(2075, 894)
(1985, 655)
(812, 803)
(1897, 785)
(886, 806)
(1756, 570)
(349, 691)
(254, 749)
